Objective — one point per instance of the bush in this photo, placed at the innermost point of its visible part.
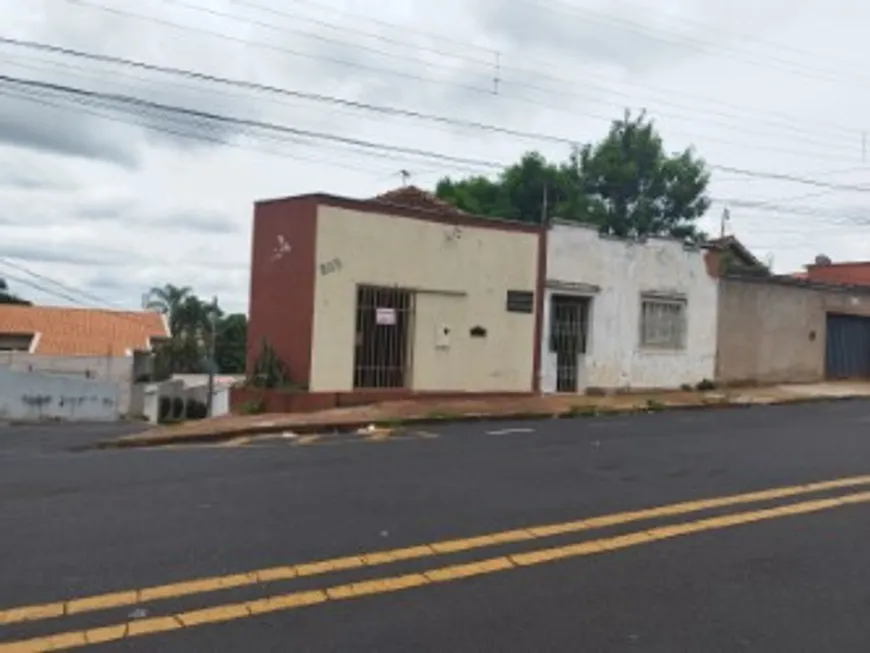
(254, 406)
(706, 385)
(164, 412)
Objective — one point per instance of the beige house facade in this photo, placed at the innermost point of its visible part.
(402, 292)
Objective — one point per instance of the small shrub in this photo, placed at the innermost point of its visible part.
(254, 406)
(269, 370)
(654, 405)
(686, 387)
(705, 386)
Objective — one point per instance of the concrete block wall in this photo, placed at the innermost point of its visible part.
(34, 396)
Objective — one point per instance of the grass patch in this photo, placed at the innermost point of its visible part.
(654, 406)
(254, 407)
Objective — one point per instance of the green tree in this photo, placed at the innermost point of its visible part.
(231, 345)
(189, 324)
(7, 297)
(634, 188)
(518, 193)
(627, 184)
(191, 321)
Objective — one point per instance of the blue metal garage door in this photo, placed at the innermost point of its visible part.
(848, 347)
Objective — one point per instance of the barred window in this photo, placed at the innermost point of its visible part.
(663, 323)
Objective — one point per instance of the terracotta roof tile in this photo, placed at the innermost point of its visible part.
(412, 197)
(83, 331)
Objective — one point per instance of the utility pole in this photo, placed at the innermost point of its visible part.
(544, 207)
(496, 80)
(863, 147)
(212, 340)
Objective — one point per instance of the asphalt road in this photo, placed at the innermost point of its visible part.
(82, 523)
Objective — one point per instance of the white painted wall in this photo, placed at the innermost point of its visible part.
(33, 396)
(118, 370)
(624, 270)
(462, 275)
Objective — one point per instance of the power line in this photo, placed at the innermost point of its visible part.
(316, 97)
(241, 122)
(407, 75)
(791, 178)
(286, 92)
(59, 284)
(48, 291)
(504, 80)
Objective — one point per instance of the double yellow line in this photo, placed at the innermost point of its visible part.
(255, 607)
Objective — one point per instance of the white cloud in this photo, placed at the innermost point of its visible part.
(92, 198)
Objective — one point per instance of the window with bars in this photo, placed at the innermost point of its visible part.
(663, 323)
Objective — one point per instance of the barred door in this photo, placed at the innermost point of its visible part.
(568, 338)
(383, 318)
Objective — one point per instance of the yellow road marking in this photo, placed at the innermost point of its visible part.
(245, 609)
(212, 584)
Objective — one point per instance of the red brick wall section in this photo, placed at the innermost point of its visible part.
(281, 308)
(855, 274)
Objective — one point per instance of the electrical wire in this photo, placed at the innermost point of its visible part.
(504, 80)
(547, 105)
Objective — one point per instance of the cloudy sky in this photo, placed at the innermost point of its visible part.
(112, 196)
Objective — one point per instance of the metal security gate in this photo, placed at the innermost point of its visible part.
(569, 317)
(383, 322)
(847, 347)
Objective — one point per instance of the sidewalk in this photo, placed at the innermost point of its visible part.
(399, 413)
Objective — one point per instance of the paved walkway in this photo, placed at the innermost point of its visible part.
(396, 413)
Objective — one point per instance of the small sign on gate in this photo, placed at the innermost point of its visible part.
(385, 316)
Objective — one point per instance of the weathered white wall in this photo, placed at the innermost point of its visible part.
(118, 370)
(463, 275)
(623, 270)
(38, 396)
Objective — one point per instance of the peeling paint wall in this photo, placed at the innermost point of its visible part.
(32, 396)
(614, 274)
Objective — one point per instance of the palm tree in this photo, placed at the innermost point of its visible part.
(190, 323)
(170, 300)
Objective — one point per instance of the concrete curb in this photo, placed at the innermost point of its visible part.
(145, 441)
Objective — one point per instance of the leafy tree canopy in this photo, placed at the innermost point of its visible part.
(190, 321)
(626, 183)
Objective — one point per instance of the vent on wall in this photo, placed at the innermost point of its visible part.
(520, 301)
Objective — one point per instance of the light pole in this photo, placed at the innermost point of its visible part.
(212, 318)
